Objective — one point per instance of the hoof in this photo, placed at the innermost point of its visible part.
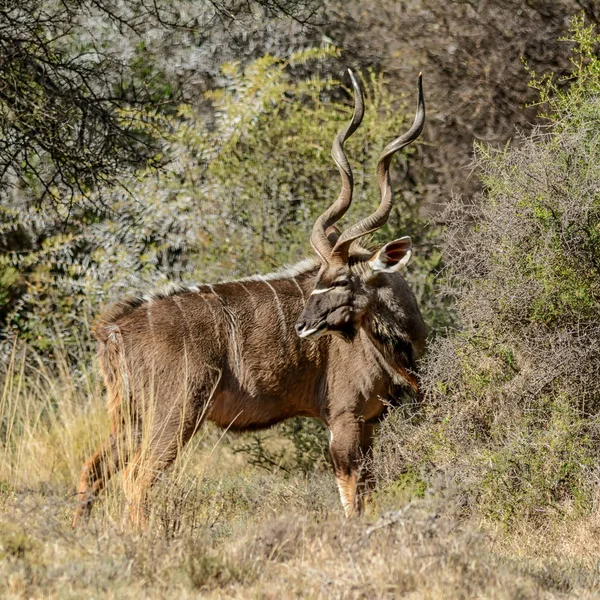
(83, 511)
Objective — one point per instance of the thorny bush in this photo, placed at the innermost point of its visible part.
(513, 396)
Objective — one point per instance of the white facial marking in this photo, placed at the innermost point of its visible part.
(307, 332)
(321, 291)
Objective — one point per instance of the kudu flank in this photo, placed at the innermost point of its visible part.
(347, 334)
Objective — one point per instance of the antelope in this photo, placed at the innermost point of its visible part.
(331, 338)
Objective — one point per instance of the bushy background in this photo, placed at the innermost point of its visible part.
(213, 162)
(234, 198)
(510, 419)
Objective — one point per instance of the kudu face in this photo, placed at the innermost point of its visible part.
(345, 288)
(345, 292)
(335, 305)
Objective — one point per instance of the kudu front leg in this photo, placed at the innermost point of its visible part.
(350, 445)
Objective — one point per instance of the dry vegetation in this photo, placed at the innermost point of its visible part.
(287, 548)
(223, 528)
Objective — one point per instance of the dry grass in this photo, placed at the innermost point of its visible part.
(287, 548)
(223, 528)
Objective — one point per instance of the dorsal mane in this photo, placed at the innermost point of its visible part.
(301, 268)
(121, 308)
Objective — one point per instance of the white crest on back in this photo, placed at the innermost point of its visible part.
(174, 288)
(299, 268)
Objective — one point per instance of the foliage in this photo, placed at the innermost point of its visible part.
(304, 451)
(513, 397)
(72, 70)
(582, 81)
(237, 197)
(470, 53)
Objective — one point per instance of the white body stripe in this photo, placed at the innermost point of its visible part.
(214, 316)
(279, 306)
(301, 290)
(250, 294)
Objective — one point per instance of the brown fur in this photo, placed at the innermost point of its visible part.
(229, 353)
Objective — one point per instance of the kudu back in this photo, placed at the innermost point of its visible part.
(330, 338)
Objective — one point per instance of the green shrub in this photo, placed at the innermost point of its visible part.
(513, 397)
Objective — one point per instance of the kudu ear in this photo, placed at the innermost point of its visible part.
(393, 257)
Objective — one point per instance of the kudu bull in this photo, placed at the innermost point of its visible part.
(250, 353)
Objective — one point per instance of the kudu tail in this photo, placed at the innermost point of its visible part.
(110, 456)
(111, 357)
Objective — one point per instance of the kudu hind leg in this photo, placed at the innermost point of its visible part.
(165, 443)
(350, 446)
(96, 472)
(144, 469)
